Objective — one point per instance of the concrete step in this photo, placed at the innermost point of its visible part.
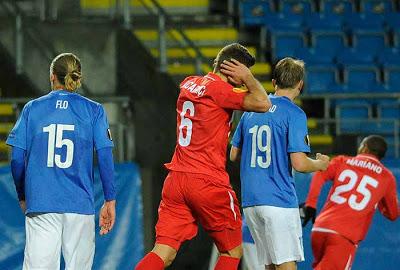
(178, 68)
(209, 52)
(6, 109)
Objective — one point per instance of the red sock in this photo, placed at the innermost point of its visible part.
(227, 263)
(150, 262)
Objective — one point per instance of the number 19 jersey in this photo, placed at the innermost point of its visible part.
(59, 132)
(204, 111)
(360, 185)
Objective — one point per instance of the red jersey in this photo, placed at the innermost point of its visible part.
(204, 111)
(360, 185)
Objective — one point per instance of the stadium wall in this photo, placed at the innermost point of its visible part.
(121, 249)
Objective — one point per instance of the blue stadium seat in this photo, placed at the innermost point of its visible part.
(286, 43)
(391, 150)
(324, 22)
(377, 6)
(365, 22)
(320, 79)
(254, 12)
(313, 56)
(297, 7)
(389, 110)
(393, 20)
(352, 56)
(369, 41)
(280, 22)
(349, 114)
(362, 78)
(328, 42)
(340, 7)
(396, 37)
(392, 78)
(389, 57)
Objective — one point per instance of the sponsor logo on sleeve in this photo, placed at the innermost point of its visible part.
(109, 134)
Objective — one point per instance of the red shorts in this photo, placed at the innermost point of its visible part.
(332, 251)
(189, 198)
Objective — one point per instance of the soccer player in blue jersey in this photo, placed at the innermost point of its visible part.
(271, 144)
(52, 166)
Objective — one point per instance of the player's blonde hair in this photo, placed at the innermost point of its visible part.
(67, 68)
(289, 72)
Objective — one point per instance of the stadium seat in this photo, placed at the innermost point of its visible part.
(377, 6)
(389, 57)
(396, 37)
(286, 43)
(372, 42)
(280, 22)
(297, 7)
(391, 150)
(255, 12)
(392, 20)
(352, 56)
(365, 22)
(362, 78)
(352, 115)
(338, 7)
(313, 56)
(392, 78)
(320, 79)
(389, 110)
(324, 22)
(328, 42)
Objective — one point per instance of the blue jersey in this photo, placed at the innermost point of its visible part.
(59, 132)
(266, 141)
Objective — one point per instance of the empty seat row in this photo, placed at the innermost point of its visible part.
(257, 8)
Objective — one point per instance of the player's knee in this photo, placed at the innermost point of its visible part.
(236, 252)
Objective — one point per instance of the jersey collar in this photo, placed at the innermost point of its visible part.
(369, 157)
(213, 76)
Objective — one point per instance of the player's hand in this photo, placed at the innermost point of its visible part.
(236, 72)
(107, 217)
(307, 213)
(324, 161)
(22, 204)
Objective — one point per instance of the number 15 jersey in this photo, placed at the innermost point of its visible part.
(360, 185)
(204, 111)
(59, 132)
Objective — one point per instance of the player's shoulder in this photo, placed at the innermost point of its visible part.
(341, 159)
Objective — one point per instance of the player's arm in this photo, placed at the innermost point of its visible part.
(389, 205)
(302, 163)
(18, 172)
(237, 139)
(256, 99)
(317, 182)
(106, 168)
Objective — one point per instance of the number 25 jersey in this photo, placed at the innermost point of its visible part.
(204, 111)
(360, 185)
(59, 132)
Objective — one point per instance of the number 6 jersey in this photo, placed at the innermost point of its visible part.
(360, 185)
(59, 132)
(204, 111)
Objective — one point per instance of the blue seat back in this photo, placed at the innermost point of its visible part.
(296, 7)
(320, 79)
(340, 7)
(377, 6)
(366, 22)
(313, 56)
(285, 44)
(393, 20)
(324, 22)
(330, 42)
(280, 22)
(367, 41)
(392, 78)
(255, 12)
(389, 57)
(389, 111)
(352, 56)
(361, 78)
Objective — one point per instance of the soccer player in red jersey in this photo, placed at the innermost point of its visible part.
(360, 185)
(197, 188)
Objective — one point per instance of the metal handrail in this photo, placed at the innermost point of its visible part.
(45, 48)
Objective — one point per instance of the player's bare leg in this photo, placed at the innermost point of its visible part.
(283, 266)
(229, 260)
(159, 258)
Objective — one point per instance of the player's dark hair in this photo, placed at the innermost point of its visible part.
(235, 51)
(67, 68)
(288, 73)
(376, 145)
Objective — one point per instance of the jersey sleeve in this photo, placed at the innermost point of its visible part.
(237, 139)
(389, 205)
(319, 179)
(298, 140)
(226, 96)
(18, 135)
(101, 133)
